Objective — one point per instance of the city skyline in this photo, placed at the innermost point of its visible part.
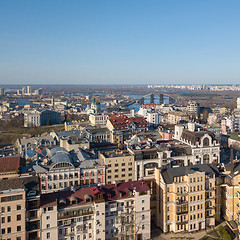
(119, 43)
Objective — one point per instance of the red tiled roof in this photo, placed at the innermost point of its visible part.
(121, 121)
(109, 193)
(11, 164)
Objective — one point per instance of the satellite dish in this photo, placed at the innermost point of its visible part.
(30, 153)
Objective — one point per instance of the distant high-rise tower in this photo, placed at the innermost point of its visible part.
(23, 90)
(52, 101)
(238, 103)
(29, 90)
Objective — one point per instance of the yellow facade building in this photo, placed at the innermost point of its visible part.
(120, 166)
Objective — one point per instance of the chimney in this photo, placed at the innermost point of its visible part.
(231, 159)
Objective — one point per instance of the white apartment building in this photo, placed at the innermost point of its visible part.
(153, 118)
(205, 148)
(98, 119)
(119, 211)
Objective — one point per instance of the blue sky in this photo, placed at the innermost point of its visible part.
(119, 42)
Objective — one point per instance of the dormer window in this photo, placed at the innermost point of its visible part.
(119, 195)
(129, 193)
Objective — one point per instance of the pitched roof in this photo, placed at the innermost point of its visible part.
(121, 121)
(11, 164)
(169, 173)
(109, 192)
(28, 183)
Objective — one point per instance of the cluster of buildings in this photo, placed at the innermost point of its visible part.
(113, 175)
(200, 87)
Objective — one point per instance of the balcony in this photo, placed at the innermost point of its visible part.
(182, 193)
(33, 226)
(180, 202)
(182, 212)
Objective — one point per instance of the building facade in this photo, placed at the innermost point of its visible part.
(120, 166)
(40, 118)
(119, 211)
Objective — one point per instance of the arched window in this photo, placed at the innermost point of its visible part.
(205, 142)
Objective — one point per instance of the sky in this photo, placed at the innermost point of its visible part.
(119, 42)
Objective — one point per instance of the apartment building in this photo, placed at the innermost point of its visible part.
(12, 211)
(120, 166)
(119, 211)
(92, 172)
(187, 198)
(121, 126)
(98, 119)
(175, 117)
(204, 146)
(19, 213)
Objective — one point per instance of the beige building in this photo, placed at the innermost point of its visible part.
(120, 166)
(187, 197)
(12, 205)
(98, 119)
(176, 117)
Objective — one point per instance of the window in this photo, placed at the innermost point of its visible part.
(18, 238)
(143, 217)
(18, 228)
(9, 218)
(123, 164)
(3, 209)
(48, 235)
(50, 208)
(143, 227)
(48, 225)
(116, 165)
(48, 217)
(9, 230)
(3, 230)
(3, 219)
(18, 207)
(9, 209)
(18, 217)
(97, 213)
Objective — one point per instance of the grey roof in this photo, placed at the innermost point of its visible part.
(57, 150)
(91, 163)
(68, 133)
(61, 157)
(169, 173)
(36, 140)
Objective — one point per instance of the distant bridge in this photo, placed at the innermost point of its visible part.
(160, 98)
